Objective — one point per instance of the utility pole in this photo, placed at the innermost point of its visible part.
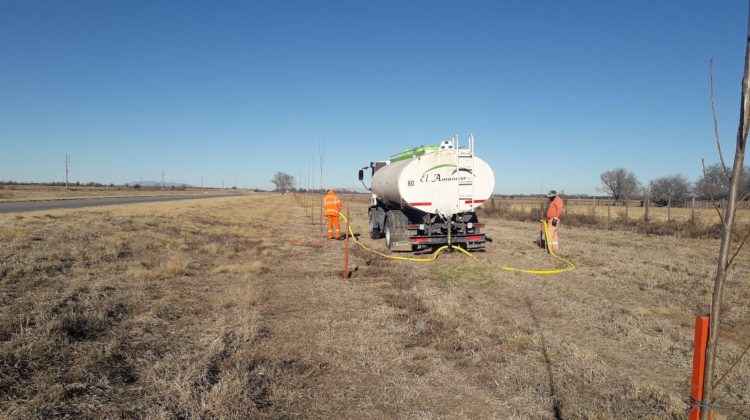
(67, 162)
(162, 179)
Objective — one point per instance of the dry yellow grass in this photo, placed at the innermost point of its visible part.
(253, 267)
(230, 308)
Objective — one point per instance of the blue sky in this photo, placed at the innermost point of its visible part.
(554, 92)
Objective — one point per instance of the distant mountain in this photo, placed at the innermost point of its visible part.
(157, 184)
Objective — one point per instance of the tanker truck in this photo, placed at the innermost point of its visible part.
(427, 196)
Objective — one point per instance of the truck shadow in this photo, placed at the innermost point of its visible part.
(432, 250)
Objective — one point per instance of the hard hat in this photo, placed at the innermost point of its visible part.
(551, 193)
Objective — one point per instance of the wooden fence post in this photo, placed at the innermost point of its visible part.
(593, 209)
(627, 208)
(609, 216)
(645, 212)
(692, 212)
(669, 209)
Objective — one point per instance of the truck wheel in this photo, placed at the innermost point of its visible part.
(395, 229)
(389, 234)
(377, 222)
(375, 233)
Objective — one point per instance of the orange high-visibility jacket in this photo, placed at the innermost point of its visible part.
(555, 208)
(331, 204)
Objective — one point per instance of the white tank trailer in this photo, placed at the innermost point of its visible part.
(427, 196)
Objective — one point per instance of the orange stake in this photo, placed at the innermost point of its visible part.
(699, 364)
(346, 246)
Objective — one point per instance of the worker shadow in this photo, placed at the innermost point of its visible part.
(349, 274)
(556, 402)
(354, 236)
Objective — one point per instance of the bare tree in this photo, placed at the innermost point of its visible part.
(714, 184)
(619, 183)
(726, 255)
(669, 189)
(283, 181)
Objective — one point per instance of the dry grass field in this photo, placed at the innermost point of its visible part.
(234, 308)
(42, 192)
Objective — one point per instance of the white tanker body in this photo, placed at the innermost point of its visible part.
(428, 196)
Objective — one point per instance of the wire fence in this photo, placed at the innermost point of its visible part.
(699, 212)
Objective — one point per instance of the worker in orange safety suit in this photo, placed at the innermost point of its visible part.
(332, 208)
(552, 216)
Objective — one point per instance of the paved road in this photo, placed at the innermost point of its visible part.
(22, 206)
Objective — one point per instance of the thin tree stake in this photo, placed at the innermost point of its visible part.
(726, 235)
(716, 120)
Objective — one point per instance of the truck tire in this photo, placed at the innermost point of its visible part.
(375, 233)
(388, 235)
(377, 222)
(395, 228)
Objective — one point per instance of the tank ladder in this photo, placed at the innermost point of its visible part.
(465, 169)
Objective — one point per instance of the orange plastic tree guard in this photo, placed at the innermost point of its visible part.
(702, 323)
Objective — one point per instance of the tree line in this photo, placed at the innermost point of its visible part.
(285, 183)
(58, 184)
(621, 184)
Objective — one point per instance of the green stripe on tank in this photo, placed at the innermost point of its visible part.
(443, 165)
(411, 153)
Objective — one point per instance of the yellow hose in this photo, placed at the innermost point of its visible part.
(395, 257)
(570, 265)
